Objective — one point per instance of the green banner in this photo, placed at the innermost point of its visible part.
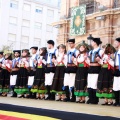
(78, 21)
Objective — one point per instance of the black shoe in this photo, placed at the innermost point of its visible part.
(110, 103)
(88, 102)
(22, 96)
(38, 98)
(116, 104)
(82, 101)
(72, 100)
(106, 103)
(58, 99)
(95, 103)
(66, 100)
(14, 95)
(43, 98)
(48, 98)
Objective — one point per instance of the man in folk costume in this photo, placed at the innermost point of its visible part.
(32, 71)
(1, 62)
(116, 82)
(50, 70)
(70, 72)
(14, 70)
(94, 69)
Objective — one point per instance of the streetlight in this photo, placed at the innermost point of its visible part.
(89, 38)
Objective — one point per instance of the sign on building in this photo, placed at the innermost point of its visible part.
(78, 21)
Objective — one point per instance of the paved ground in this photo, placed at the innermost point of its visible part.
(62, 106)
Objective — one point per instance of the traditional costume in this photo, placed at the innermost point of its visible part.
(105, 78)
(81, 74)
(32, 72)
(50, 70)
(93, 72)
(1, 62)
(14, 72)
(70, 72)
(22, 77)
(116, 82)
(60, 62)
(39, 79)
(5, 74)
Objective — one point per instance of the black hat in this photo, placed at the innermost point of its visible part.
(34, 47)
(51, 42)
(18, 51)
(1, 53)
(71, 40)
(118, 39)
(97, 40)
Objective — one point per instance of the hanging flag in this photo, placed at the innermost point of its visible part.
(78, 21)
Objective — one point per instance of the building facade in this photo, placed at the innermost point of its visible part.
(25, 23)
(102, 20)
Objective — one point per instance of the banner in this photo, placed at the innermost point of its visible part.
(78, 21)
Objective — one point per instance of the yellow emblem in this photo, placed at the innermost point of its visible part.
(77, 21)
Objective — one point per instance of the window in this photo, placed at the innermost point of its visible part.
(37, 41)
(14, 4)
(38, 25)
(26, 23)
(90, 5)
(27, 7)
(38, 10)
(13, 20)
(11, 37)
(49, 28)
(116, 4)
(25, 39)
(50, 13)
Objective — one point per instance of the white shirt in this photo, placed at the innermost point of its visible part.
(117, 58)
(40, 58)
(34, 57)
(2, 59)
(48, 57)
(61, 57)
(104, 60)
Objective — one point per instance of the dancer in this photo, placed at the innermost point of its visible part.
(14, 71)
(38, 85)
(94, 69)
(105, 78)
(60, 62)
(70, 71)
(82, 72)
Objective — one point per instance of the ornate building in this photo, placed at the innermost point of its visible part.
(102, 20)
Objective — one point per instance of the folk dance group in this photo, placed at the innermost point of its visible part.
(76, 73)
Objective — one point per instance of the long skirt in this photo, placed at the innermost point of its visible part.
(39, 81)
(0, 80)
(21, 82)
(105, 82)
(81, 82)
(58, 80)
(5, 80)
